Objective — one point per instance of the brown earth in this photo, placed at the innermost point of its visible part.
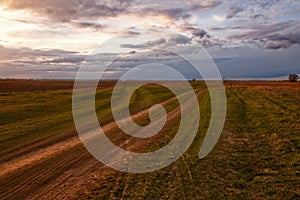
(59, 167)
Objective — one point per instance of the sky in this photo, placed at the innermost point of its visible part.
(51, 39)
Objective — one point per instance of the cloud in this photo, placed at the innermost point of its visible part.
(218, 18)
(228, 28)
(272, 36)
(153, 57)
(148, 44)
(17, 60)
(174, 13)
(65, 11)
(132, 33)
(233, 11)
(69, 60)
(194, 31)
(38, 63)
(177, 9)
(7, 53)
(156, 42)
(54, 24)
(201, 36)
(262, 9)
(283, 44)
(179, 39)
(91, 25)
(281, 41)
(172, 41)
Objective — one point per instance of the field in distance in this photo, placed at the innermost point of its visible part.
(257, 156)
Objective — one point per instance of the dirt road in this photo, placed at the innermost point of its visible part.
(60, 167)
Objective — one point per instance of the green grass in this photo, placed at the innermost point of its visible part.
(257, 156)
(27, 116)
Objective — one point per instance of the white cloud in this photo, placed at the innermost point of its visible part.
(218, 18)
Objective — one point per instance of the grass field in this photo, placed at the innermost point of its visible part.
(257, 156)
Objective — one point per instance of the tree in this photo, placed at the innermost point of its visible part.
(293, 77)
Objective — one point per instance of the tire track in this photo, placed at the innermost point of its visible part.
(47, 172)
(30, 179)
(173, 117)
(37, 155)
